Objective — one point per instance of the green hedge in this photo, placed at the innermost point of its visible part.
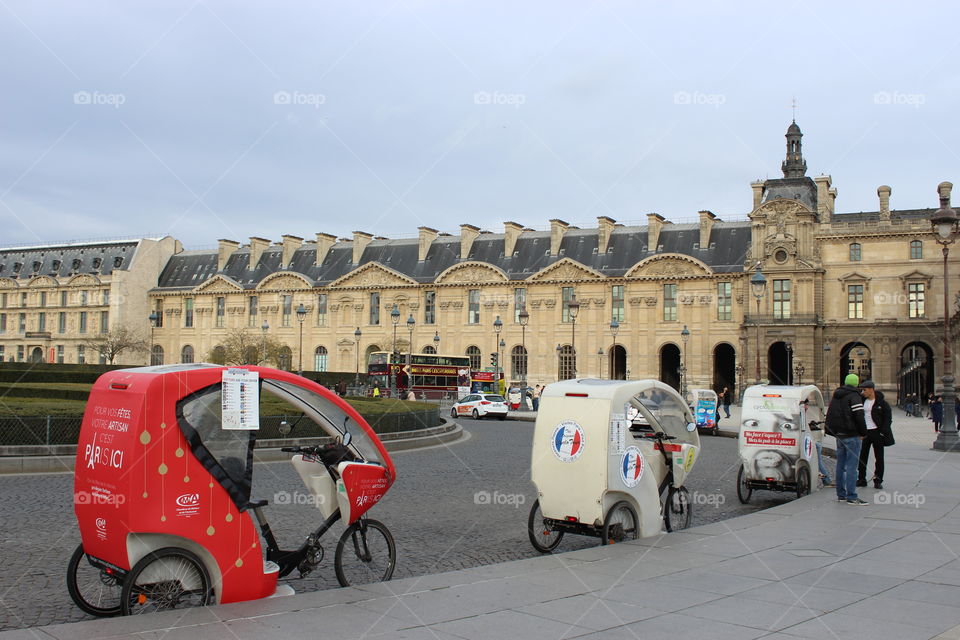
(41, 391)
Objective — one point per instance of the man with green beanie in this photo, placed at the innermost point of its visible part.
(845, 421)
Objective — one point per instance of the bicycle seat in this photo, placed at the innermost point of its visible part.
(254, 505)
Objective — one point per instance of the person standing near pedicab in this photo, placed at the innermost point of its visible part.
(936, 413)
(725, 400)
(878, 417)
(846, 423)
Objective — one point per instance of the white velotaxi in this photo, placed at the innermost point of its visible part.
(480, 405)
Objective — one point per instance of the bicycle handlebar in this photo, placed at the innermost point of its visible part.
(658, 435)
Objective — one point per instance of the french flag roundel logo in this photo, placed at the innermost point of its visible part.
(631, 467)
(807, 447)
(568, 441)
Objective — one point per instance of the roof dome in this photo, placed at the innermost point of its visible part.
(793, 129)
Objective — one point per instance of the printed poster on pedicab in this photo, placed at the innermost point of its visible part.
(240, 400)
(706, 413)
(769, 438)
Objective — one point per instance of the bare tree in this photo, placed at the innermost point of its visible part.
(241, 346)
(116, 341)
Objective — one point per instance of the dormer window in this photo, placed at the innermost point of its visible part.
(55, 267)
(76, 264)
(36, 266)
(117, 262)
(17, 266)
(97, 262)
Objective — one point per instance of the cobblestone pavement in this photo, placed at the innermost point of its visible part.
(452, 507)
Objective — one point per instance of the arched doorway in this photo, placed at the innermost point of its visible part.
(566, 363)
(778, 363)
(670, 365)
(725, 368)
(618, 363)
(36, 355)
(855, 358)
(320, 356)
(518, 363)
(916, 371)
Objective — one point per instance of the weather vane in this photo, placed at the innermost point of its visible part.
(793, 106)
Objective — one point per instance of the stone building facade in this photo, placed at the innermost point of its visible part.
(54, 298)
(844, 292)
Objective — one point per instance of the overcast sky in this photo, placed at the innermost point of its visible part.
(209, 119)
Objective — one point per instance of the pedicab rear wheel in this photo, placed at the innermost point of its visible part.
(92, 589)
(678, 509)
(365, 553)
(621, 523)
(744, 491)
(168, 578)
(453, 412)
(543, 538)
(803, 482)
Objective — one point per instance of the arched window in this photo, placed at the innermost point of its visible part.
(566, 363)
(218, 355)
(474, 353)
(284, 358)
(855, 252)
(518, 363)
(156, 355)
(186, 354)
(320, 358)
(916, 249)
(428, 349)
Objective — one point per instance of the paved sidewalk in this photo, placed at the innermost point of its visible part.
(810, 568)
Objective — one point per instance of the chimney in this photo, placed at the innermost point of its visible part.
(823, 197)
(511, 231)
(604, 230)
(706, 225)
(944, 189)
(468, 233)
(757, 192)
(324, 242)
(290, 245)
(884, 192)
(257, 245)
(360, 241)
(655, 223)
(557, 229)
(833, 200)
(427, 236)
(224, 249)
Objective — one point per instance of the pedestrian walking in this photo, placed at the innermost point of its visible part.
(936, 413)
(846, 423)
(878, 418)
(342, 388)
(537, 390)
(908, 405)
(376, 391)
(726, 400)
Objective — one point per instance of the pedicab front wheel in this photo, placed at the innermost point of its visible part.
(803, 482)
(744, 491)
(366, 553)
(542, 536)
(92, 589)
(677, 511)
(621, 523)
(168, 578)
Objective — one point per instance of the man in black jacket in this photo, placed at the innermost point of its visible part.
(845, 422)
(878, 417)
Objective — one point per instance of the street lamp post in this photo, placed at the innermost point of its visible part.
(826, 366)
(153, 325)
(614, 330)
(574, 308)
(798, 372)
(497, 328)
(502, 384)
(684, 336)
(263, 344)
(559, 353)
(758, 284)
(524, 319)
(356, 340)
(301, 316)
(600, 362)
(789, 346)
(738, 370)
(945, 225)
(391, 371)
(410, 324)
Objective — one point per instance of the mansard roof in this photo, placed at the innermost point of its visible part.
(66, 260)
(729, 243)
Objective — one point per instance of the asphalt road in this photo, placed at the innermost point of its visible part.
(453, 507)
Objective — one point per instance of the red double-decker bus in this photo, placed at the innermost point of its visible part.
(431, 375)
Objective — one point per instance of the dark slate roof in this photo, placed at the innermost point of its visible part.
(728, 248)
(802, 189)
(873, 216)
(100, 259)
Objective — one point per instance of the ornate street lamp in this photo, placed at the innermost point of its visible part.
(410, 324)
(559, 368)
(614, 330)
(153, 325)
(684, 336)
(826, 366)
(574, 308)
(758, 285)
(501, 385)
(391, 371)
(301, 316)
(600, 362)
(524, 319)
(945, 226)
(356, 341)
(789, 346)
(497, 328)
(798, 372)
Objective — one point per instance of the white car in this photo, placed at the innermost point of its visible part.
(480, 405)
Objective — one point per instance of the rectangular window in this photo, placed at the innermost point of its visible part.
(62, 322)
(616, 303)
(916, 250)
(81, 355)
(3, 323)
(83, 322)
(221, 310)
(321, 310)
(374, 307)
(855, 301)
(41, 321)
(566, 295)
(855, 252)
(3, 301)
(20, 353)
(23, 299)
(43, 298)
(519, 303)
(84, 296)
(429, 307)
(159, 311)
(669, 303)
(63, 298)
(287, 310)
(1, 352)
(473, 306)
(252, 303)
(781, 299)
(724, 301)
(22, 323)
(915, 294)
(104, 321)
(106, 297)
(188, 312)
(59, 354)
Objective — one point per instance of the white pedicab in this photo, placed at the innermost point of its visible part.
(703, 404)
(779, 432)
(604, 451)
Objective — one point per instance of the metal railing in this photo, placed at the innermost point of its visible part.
(796, 318)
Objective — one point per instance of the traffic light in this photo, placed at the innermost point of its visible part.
(493, 359)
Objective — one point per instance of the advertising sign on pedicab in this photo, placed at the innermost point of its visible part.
(704, 405)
